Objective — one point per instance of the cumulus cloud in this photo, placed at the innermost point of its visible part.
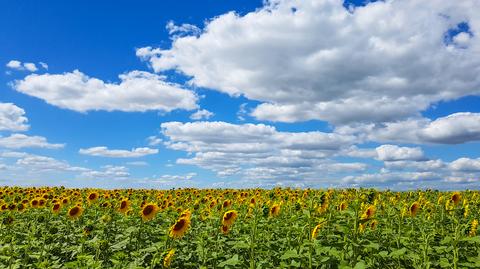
(258, 150)
(118, 153)
(16, 141)
(136, 91)
(201, 114)
(466, 165)
(12, 118)
(396, 153)
(44, 163)
(456, 128)
(154, 140)
(17, 65)
(315, 59)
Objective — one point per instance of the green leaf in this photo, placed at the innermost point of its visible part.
(289, 254)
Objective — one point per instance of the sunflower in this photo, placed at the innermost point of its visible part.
(369, 212)
(75, 212)
(373, 224)
(124, 206)
(149, 211)
(473, 228)
(21, 207)
(275, 210)
(92, 197)
(34, 203)
(56, 208)
(179, 228)
(414, 208)
(186, 214)
(229, 217)
(455, 198)
(42, 202)
(168, 258)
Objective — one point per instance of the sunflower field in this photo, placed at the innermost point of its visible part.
(55, 227)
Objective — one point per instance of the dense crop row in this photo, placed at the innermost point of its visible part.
(280, 228)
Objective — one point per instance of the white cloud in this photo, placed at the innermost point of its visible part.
(43, 65)
(396, 153)
(118, 153)
(43, 163)
(453, 129)
(248, 149)
(382, 62)
(201, 114)
(154, 141)
(16, 141)
(107, 172)
(466, 165)
(12, 118)
(14, 64)
(137, 163)
(137, 91)
(17, 65)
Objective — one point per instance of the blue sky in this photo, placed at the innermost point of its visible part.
(162, 94)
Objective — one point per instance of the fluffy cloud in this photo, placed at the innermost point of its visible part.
(118, 153)
(453, 129)
(43, 163)
(17, 65)
(258, 150)
(107, 172)
(201, 114)
(315, 59)
(12, 118)
(396, 153)
(16, 141)
(137, 91)
(466, 165)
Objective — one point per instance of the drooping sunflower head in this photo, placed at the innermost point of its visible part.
(414, 208)
(368, 213)
(149, 211)
(168, 258)
(456, 198)
(179, 228)
(275, 210)
(343, 205)
(75, 212)
(373, 224)
(229, 217)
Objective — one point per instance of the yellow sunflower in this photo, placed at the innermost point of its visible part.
(414, 208)
(124, 206)
(229, 217)
(455, 198)
(179, 228)
(75, 212)
(149, 211)
(92, 197)
(56, 208)
(275, 210)
(369, 212)
(315, 230)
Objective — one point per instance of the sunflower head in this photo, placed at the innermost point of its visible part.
(275, 210)
(75, 212)
(342, 206)
(229, 217)
(179, 228)
(56, 208)
(149, 211)
(473, 228)
(315, 230)
(414, 208)
(92, 197)
(124, 206)
(368, 213)
(455, 198)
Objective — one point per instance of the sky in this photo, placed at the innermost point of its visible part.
(240, 94)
